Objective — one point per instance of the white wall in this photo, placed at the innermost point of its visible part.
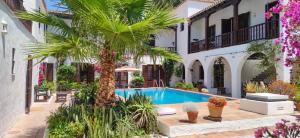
(165, 38)
(216, 18)
(251, 70)
(196, 6)
(198, 29)
(12, 92)
(255, 7)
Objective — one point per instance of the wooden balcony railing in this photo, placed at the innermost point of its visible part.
(171, 49)
(197, 46)
(17, 6)
(268, 30)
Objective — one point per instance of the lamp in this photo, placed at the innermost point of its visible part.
(4, 26)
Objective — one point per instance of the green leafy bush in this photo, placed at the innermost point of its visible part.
(75, 86)
(136, 74)
(66, 122)
(86, 94)
(137, 82)
(64, 86)
(51, 86)
(66, 73)
(180, 85)
(189, 86)
(43, 86)
(142, 110)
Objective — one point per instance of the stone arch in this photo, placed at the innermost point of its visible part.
(219, 75)
(197, 71)
(251, 71)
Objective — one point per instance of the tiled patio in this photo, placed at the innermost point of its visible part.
(33, 125)
(231, 115)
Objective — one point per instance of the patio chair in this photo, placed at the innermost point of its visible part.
(38, 93)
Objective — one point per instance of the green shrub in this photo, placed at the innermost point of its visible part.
(43, 86)
(180, 85)
(106, 123)
(137, 82)
(136, 74)
(66, 122)
(64, 86)
(66, 73)
(189, 86)
(142, 110)
(51, 86)
(86, 94)
(75, 86)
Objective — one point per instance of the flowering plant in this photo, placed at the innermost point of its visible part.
(217, 102)
(290, 21)
(283, 129)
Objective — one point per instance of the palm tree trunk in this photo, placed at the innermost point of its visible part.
(106, 94)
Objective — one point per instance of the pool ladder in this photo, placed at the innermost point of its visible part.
(157, 84)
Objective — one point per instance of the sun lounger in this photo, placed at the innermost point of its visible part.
(165, 111)
(267, 104)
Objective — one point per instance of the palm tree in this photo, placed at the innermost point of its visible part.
(105, 30)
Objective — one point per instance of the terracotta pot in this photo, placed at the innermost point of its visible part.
(192, 117)
(297, 106)
(215, 111)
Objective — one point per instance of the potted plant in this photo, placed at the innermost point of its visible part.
(215, 106)
(297, 101)
(192, 111)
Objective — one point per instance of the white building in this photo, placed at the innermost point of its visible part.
(17, 75)
(213, 42)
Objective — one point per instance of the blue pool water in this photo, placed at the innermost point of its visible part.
(166, 96)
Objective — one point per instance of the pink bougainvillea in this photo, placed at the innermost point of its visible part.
(290, 21)
(42, 72)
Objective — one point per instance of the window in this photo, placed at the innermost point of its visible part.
(181, 26)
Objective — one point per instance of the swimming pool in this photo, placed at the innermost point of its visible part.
(166, 96)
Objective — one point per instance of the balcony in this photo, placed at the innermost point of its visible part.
(268, 30)
(17, 6)
(171, 49)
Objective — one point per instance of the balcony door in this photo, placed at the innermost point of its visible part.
(272, 24)
(227, 25)
(211, 36)
(244, 23)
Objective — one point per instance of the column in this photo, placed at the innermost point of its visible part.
(189, 37)
(236, 81)
(235, 20)
(207, 32)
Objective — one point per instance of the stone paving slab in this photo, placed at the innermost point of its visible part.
(33, 125)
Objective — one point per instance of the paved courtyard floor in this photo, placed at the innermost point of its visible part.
(33, 125)
(235, 123)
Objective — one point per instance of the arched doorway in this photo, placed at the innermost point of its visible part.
(197, 72)
(254, 71)
(221, 76)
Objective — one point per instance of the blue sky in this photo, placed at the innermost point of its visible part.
(50, 4)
